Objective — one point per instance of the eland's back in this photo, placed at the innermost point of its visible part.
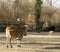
(15, 31)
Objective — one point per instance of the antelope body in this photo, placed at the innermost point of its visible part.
(15, 32)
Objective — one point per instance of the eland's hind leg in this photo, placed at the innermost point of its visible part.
(10, 43)
(19, 42)
(7, 42)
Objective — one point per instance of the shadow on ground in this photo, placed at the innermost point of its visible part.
(57, 47)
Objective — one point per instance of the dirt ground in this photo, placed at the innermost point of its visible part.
(33, 42)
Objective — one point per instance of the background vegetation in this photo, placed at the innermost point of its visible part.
(14, 11)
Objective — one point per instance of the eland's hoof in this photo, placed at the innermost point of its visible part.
(19, 45)
(11, 46)
(7, 46)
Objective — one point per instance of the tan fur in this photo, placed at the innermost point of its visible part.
(15, 32)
